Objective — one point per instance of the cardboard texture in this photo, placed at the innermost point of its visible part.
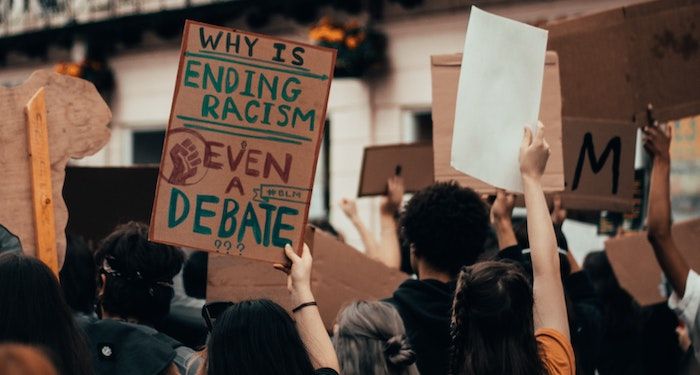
(379, 163)
(340, 275)
(240, 151)
(77, 119)
(99, 199)
(445, 77)
(499, 91)
(613, 63)
(604, 151)
(635, 266)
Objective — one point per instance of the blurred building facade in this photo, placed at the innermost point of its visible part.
(392, 106)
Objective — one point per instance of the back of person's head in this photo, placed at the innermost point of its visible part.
(600, 271)
(78, 276)
(34, 312)
(18, 359)
(371, 339)
(492, 322)
(256, 337)
(194, 274)
(524, 242)
(137, 274)
(446, 225)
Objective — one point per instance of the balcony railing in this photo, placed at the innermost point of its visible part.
(25, 16)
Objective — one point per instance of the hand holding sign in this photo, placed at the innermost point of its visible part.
(533, 153)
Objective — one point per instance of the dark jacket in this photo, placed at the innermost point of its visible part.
(425, 307)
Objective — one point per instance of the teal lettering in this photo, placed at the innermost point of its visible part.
(227, 227)
(209, 105)
(209, 77)
(201, 212)
(308, 116)
(251, 118)
(189, 73)
(279, 226)
(292, 94)
(173, 219)
(250, 220)
(269, 209)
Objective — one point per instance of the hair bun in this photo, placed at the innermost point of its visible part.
(399, 352)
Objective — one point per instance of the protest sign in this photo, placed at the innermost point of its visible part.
(341, 274)
(445, 75)
(413, 162)
(635, 266)
(614, 63)
(240, 151)
(76, 118)
(599, 164)
(500, 85)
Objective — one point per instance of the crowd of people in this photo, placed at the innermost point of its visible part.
(527, 308)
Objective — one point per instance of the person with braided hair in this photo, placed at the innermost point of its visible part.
(135, 289)
(370, 338)
(500, 323)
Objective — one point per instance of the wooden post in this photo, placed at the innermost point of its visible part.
(42, 193)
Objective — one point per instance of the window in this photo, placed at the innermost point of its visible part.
(417, 126)
(320, 199)
(147, 146)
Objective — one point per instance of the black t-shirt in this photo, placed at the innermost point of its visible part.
(325, 371)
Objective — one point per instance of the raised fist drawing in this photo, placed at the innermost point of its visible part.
(185, 158)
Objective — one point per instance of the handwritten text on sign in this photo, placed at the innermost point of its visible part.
(242, 143)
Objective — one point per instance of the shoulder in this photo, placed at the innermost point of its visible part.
(556, 352)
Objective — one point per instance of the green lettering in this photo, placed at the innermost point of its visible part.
(173, 219)
(201, 212)
(189, 73)
(227, 227)
(279, 226)
(249, 220)
(209, 106)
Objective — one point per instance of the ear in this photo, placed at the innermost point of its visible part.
(101, 290)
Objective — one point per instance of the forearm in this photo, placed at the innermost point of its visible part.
(505, 233)
(313, 332)
(540, 230)
(660, 200)
(390, 249)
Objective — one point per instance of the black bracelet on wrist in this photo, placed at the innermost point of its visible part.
(307, 304)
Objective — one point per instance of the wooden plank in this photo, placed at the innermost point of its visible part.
(40, 163)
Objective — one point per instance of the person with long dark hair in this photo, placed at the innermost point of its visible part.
(33, 311)
(500, 323)
(258, 337)
(370, 338)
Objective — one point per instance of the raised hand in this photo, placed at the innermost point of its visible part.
(349, 207)
(534, 153)
(394, 195)
(657, 142)
(502, 207)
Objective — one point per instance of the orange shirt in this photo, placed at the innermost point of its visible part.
(556, 352)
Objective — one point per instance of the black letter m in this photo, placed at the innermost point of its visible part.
(597, 165)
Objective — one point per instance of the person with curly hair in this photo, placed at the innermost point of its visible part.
(445, 227)
(500, 323)
(370, 338)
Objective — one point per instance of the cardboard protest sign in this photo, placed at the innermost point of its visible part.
(414, 162)
(242, 142)
(95, 211)
(500, 84)
(445, 71)
(635, 266)
(599, 164)
(76, 118)
(340, 275)
(616, 62)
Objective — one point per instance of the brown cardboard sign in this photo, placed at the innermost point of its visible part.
(635, 266)
(340, 275)
(413, 162)
(616, 62)
(599, 164)
(445, 78)
(76, 117)
(240, 151)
